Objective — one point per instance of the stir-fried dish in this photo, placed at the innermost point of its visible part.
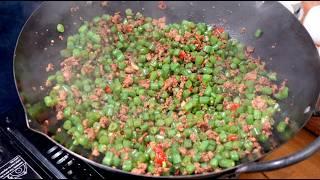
(163, 99)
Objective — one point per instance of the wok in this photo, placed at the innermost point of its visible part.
(285, 47)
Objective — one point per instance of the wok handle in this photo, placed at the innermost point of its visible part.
(282, 162)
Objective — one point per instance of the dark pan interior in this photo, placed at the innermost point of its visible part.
(285, 46)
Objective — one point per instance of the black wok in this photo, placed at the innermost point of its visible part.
(285, 47)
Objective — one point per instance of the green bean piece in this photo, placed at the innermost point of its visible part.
(190, 168)
(113, 126)
(67, 125)
(127, 165)
(282, 94)
(203, 146)
(226, 163)
(107, 160)
(281, 126)
(234, 156)
(49, 101)
(258, 33)
(266, 90)
(214, 163)
(60, 28)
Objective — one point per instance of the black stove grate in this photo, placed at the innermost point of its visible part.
(68, 165)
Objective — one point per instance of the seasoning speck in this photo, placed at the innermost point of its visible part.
(61, 38)
(243, 30)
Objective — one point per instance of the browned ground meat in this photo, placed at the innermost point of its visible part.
(241, 88)
(286, 120)
(62, 95)
(183, 151)
(61, 38)
(85, 123)
(140, 140)
(180, 128)
(101, 69)
(128, 80)
(116, 18)
(249, 49)
(71, 61)
(59, 115)
(161, 22)
(266, 126)
(203, 125)
(179, 94)
(50, 67)
(251, 76)
(283, 84)
(67, 73)
(170, 82)
(48, 83)
(193, 137)
(207, 156)
(259, 103)
(99, 92)
(104, 121)
(160, 170)
(131, 69)
(75, 91)
(95, 152)
(211, 134)
(264, 81)
(168, 102)
(90, 133)
(199, 169)
(94, 97)
(87, 69)
(123, 113)
(114, 67)
(61, 105)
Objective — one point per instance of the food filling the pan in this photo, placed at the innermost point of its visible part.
(163, 99)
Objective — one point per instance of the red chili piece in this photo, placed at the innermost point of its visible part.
(234, 106)
(232, 137)
(160, 155)
(108, 89)
(182, 55)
